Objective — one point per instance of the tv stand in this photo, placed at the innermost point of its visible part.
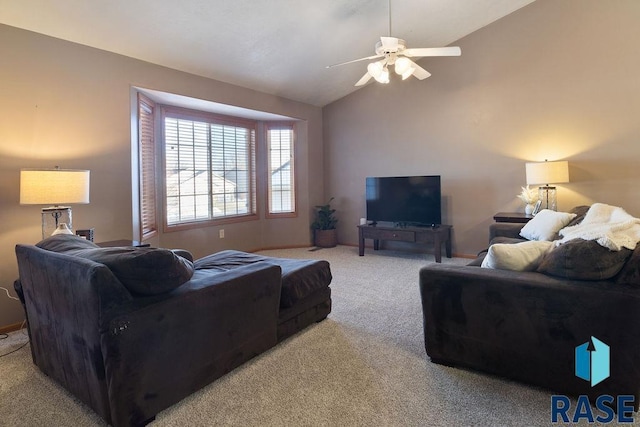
(436, 234)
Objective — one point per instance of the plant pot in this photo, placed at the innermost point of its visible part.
(326, 238)
(529, 208)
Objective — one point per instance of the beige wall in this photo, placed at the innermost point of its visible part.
(557, 79)
(69, 105)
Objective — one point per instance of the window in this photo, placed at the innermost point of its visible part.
(209, 167)
(281, 179)
(147, 166)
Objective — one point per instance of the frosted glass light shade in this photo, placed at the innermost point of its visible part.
(54, 186)
(375, 69)
(547, 172)
(402, 65)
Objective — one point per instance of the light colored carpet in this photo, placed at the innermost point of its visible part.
(363, 366)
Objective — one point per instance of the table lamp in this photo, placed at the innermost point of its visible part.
(547, 173)
(54, 187)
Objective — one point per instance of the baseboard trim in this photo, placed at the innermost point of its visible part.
(11, 328)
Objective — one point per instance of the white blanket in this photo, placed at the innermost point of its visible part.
(611, 226)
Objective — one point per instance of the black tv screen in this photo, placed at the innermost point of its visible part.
(409, 200)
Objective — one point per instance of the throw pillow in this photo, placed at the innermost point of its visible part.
(546, 224)
(584, 260)
(525, 256)
(143, 271)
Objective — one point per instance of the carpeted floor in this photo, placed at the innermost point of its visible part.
(363, 366)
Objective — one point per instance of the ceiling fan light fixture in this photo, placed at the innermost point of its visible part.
(375, 69)
(402, 65)
(383, 77)
(408, 73)
(394, 52)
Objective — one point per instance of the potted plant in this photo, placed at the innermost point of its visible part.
(324, 227)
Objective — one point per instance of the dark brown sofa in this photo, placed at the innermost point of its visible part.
(131, 331)
(526, 325)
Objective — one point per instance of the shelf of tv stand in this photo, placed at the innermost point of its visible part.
(437, 235)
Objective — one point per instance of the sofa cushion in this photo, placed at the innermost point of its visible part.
(65, 242)
(510, 240)
(583, 260)
(581, 212)
(525, 256)
(546, 224)
(300, 277)
(143, 271)
(630, 273)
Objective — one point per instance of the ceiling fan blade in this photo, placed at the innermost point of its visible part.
(434, 51)
(355, 60)
(364, 80)
(419, 72)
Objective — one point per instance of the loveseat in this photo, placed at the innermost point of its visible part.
(526, 325)
(131, 331)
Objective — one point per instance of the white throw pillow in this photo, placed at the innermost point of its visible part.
(525, 256)
(546, 224)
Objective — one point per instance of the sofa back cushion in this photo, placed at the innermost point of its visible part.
(583, 260)
(630, 273)
(65, 242)
(143, 271)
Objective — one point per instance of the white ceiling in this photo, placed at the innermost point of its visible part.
(281, 47)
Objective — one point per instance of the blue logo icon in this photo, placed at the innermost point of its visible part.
(592, 361)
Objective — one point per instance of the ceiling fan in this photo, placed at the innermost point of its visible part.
(394, 51)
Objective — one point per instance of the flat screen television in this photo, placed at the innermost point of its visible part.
(407, 200)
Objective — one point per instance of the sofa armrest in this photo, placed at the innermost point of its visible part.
(176, 344)
(65, 299)
(505, 229)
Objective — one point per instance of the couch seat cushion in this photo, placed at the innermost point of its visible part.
(300, 277)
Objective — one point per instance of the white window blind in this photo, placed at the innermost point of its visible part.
(281, 182)
(209, 169)
(147, 166)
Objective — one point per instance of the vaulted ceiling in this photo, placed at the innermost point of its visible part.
(281, 47)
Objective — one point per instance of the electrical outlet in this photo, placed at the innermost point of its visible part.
(221, 233)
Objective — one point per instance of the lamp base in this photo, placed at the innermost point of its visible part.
(548, 196)
(54, 216)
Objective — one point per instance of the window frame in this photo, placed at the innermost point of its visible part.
(195, 115)
(294, 187)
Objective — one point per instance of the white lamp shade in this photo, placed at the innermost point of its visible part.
(547, 172)
(54, 186)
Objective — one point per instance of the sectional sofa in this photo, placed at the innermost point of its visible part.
(131, 331)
